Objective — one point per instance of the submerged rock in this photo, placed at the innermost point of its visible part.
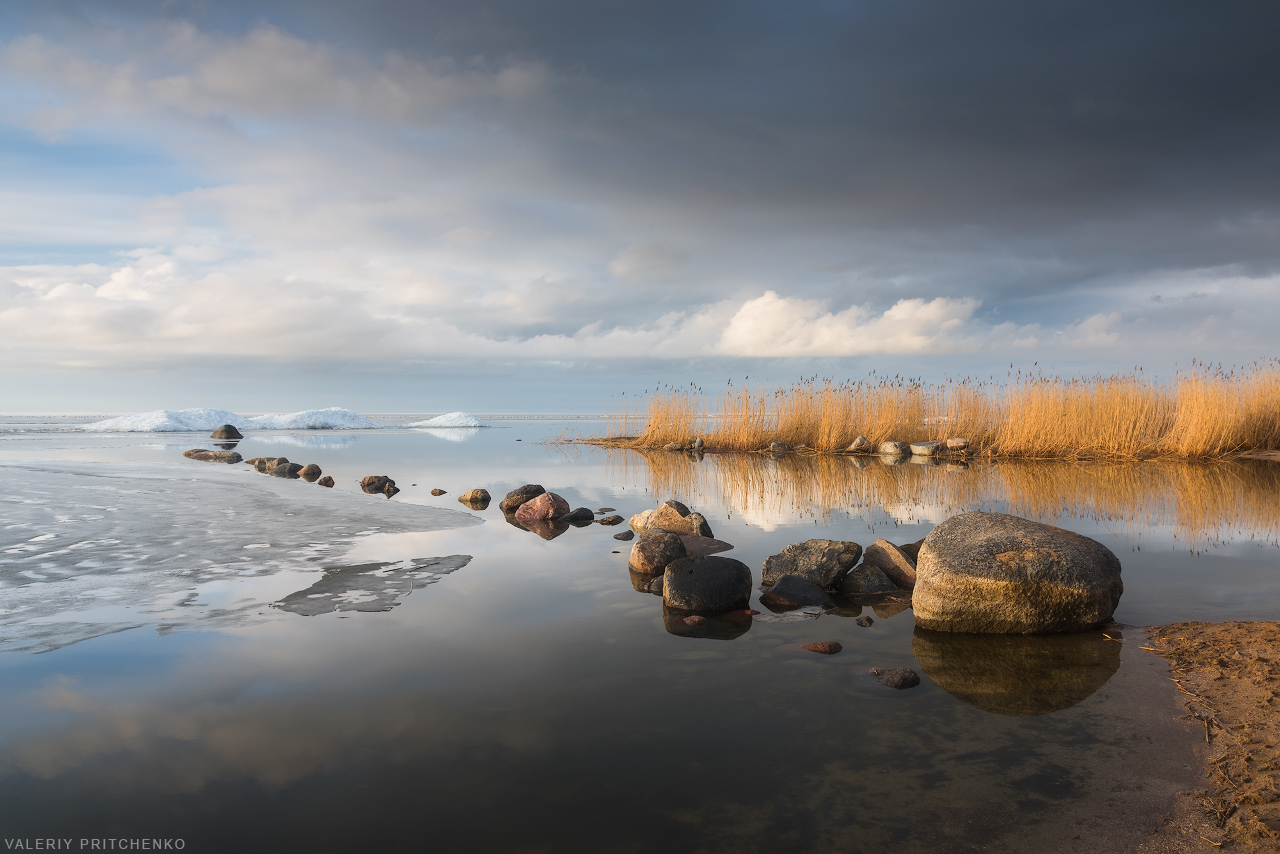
(896, 677)
(519, 496)
(226, 431)
(824, 647)
(791, 592)
(1017, 675)
(999, 574)
(310, 472)
(652, 553)
(708, 583)
(604, 509)
(864, 621)
(821, 562)
(893, 562)
(206, 456)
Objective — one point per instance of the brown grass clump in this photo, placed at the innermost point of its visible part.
(1203, 413)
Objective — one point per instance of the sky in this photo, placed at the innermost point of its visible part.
(516, 206)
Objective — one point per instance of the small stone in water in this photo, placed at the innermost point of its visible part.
(864, 621)
(824, 647)
(605, 510)
(435, 491)
(896, 677)
(625, 535)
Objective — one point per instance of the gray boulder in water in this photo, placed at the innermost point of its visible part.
(821, 562)
(707, 583)
(993, 573)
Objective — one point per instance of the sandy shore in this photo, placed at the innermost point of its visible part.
(1229, 676)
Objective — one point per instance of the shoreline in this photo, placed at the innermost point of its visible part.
(1228, 675)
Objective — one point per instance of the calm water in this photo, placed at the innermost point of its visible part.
(530, 699)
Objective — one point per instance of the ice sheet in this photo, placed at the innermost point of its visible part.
(451, 419)
(87, 549)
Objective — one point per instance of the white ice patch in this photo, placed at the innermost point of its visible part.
(451, 419)
(200, 420)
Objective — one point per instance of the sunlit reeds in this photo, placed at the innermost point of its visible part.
(1203, 412)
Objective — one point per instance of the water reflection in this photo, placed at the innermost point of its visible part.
(727, 626)
(1202, 503)
(1018, 675)
(449, 434)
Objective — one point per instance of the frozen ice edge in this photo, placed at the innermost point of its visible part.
(203, 419)
(134, 544)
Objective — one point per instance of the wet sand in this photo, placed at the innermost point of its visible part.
(1229, 677)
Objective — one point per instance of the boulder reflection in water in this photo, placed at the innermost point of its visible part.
(726, 626)
(1018, 675)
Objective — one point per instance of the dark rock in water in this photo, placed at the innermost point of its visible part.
(652, 553)
(695, 620)
(604, 509)
(885, 610)
(896, 677)
(226, 431)
(375, 484)
(545, 528)
(824, 647)
(545, 507)
(325, 481)
(610, 520)
(476, 499)
(912, 550)
(646, 583)
(821, 562)
(438, 492)
(703, 545)
(708, 583)
(1018, 675)
(624, 535)
(718, 626)
(864, 621)
(287, 470)
(378, 586)
(893, 562)
(519, 496)
(310, 472)
(791, 592)
(206, 456)
(865, 580)
(580, 514)
(998, 574)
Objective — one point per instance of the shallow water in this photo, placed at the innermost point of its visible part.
(529, 699)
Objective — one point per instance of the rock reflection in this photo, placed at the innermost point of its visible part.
(1203, 502)
(726, 626)
(646, 583)
(1018, 675)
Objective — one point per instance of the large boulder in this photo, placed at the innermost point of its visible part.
(821, 562)
(226, 431)
(707, 583)
(865, 580)
(546, 507)
(998, 574)
(652, 553)
(791, 592)
(519, 496)
(893, 562)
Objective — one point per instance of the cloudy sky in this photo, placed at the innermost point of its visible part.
(506, 206)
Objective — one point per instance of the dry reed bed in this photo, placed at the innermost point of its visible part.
(1202, 503)
(1202, 414)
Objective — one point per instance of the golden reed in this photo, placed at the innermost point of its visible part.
(1203, 413)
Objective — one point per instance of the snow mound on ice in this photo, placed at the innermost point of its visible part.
(200, 420)
(452, 419)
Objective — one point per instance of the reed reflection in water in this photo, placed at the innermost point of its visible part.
(1199, 503)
